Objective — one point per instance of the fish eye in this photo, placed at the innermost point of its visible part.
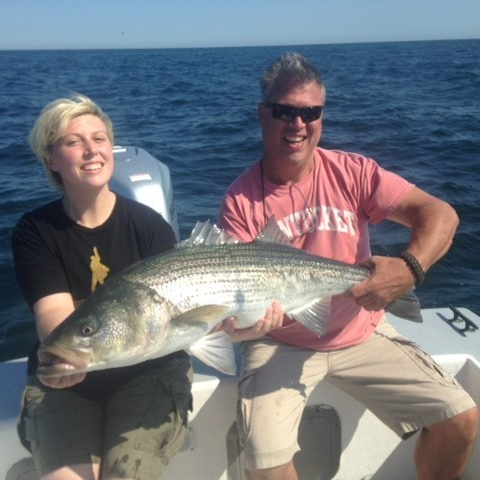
(88, 328)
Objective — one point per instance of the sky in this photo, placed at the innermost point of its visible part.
(94, 24)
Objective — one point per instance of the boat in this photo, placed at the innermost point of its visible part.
(339, 438)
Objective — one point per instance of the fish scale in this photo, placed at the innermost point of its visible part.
(245, 276)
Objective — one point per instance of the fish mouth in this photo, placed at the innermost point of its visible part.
(55, 362)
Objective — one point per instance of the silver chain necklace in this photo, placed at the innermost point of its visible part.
(308, 205)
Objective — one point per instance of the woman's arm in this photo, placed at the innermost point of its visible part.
(50, 311)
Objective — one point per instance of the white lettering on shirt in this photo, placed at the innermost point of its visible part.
(323, 218)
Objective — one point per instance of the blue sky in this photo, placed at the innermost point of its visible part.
(65, 24)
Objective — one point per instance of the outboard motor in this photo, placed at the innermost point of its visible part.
(141, 177)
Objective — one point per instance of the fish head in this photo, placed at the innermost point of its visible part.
(119, 324)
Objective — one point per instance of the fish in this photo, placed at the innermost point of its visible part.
(172, 301)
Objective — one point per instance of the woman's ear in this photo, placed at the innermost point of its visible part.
(50, 163)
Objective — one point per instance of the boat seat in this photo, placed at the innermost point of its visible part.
(319, 439)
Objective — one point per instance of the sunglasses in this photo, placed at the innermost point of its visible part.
(289, 114)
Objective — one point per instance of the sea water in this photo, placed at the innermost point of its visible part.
(412, 106)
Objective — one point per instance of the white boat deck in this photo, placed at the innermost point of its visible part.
(340, 439)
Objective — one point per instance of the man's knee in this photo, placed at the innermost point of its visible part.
(461, 427)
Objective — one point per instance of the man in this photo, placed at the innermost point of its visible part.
(323, 201)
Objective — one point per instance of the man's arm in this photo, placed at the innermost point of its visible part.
(273, 319)
(433, 223)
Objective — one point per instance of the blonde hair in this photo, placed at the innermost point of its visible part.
(52, 123)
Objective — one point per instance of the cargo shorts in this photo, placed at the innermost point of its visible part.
(133, 433)
(389, 374)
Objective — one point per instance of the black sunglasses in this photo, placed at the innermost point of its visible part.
(288, 113)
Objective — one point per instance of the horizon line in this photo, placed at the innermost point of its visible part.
(29, 49)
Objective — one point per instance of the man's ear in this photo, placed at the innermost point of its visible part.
(261, 112)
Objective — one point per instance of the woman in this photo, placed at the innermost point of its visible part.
(118, 423)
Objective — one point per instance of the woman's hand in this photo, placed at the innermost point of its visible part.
(63, 381)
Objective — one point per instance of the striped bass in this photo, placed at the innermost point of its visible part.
(171, 301)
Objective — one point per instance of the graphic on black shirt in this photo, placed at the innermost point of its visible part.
(99, 271)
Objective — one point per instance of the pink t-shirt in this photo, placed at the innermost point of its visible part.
(327, 214)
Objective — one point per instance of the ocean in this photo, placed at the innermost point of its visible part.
(412, 106)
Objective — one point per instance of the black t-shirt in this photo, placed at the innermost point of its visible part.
(53, 254)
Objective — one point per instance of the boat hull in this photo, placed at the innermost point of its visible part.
(340, 438)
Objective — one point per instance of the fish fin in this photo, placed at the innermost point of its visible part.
(272, 233)
(208, 314)
(407, 307)
(216, 350)
(207, 233)
(315, 316)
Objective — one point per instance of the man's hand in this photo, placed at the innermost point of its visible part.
(389, 279)
(273, 319)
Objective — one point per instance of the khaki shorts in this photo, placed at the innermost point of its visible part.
(389, 374)
(133, 433)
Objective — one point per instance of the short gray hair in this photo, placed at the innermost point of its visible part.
(290, 68)
(52, 123)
